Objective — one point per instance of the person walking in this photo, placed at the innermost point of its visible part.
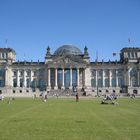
(77, 97)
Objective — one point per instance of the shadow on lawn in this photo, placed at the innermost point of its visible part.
(80, 121)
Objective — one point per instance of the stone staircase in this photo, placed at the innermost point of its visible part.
(60, 92)
(63, 92)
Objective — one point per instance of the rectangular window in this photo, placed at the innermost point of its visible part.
(34, 83)
(28, 82)
(1, 83)
(106, 82)
(28, 73)
(3, 55)
(113, 82)
(14, 83)
(34, 73)
(1, 72)
(132, 54)
(21, 82)
(136, 55)
(113, 73)
(6, 55)
(14, 73)
(120, 82)
(100, 84)
(93, 82)
(106, 73)
(21, 73)
(93, 73)
(99, 73)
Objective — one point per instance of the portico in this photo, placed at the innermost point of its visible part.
(65, 78)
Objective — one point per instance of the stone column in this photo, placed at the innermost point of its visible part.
(125, 76)
(110, 78)
(24, 77)
(31, 77)
(56, 85)
(78, 77)
(84, 77)
(6, 77)
(116, 78)
(129, 80)
(63, 78)
(103, 80)
(49, 82)
(138, 77)
(18, 82)
(96, 78)
(70, 78)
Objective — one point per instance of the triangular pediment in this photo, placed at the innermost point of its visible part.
(67, 62)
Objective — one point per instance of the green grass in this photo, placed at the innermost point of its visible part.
(64, 119)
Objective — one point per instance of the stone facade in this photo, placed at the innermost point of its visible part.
(69, 68)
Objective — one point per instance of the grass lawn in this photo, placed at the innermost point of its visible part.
(64, 119)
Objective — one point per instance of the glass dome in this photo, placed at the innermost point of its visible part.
(67, 50)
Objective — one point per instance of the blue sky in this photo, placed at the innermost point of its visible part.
(104, 26)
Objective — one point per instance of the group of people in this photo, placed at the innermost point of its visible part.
(44, 96)
(110, 98)
(133, 95)
(1, 97)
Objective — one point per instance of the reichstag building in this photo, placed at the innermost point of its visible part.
(68, 68)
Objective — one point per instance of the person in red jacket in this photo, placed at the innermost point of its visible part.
(77, 97)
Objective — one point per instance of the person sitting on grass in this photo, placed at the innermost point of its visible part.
(109, 98)
(1, 97)
(132, 95)
(34, 96)
(45, 97)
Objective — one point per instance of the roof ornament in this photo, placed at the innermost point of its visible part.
(48, 53)
(48, 50)
(86, 51)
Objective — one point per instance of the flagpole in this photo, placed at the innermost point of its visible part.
(6, 42)
(129, 42)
